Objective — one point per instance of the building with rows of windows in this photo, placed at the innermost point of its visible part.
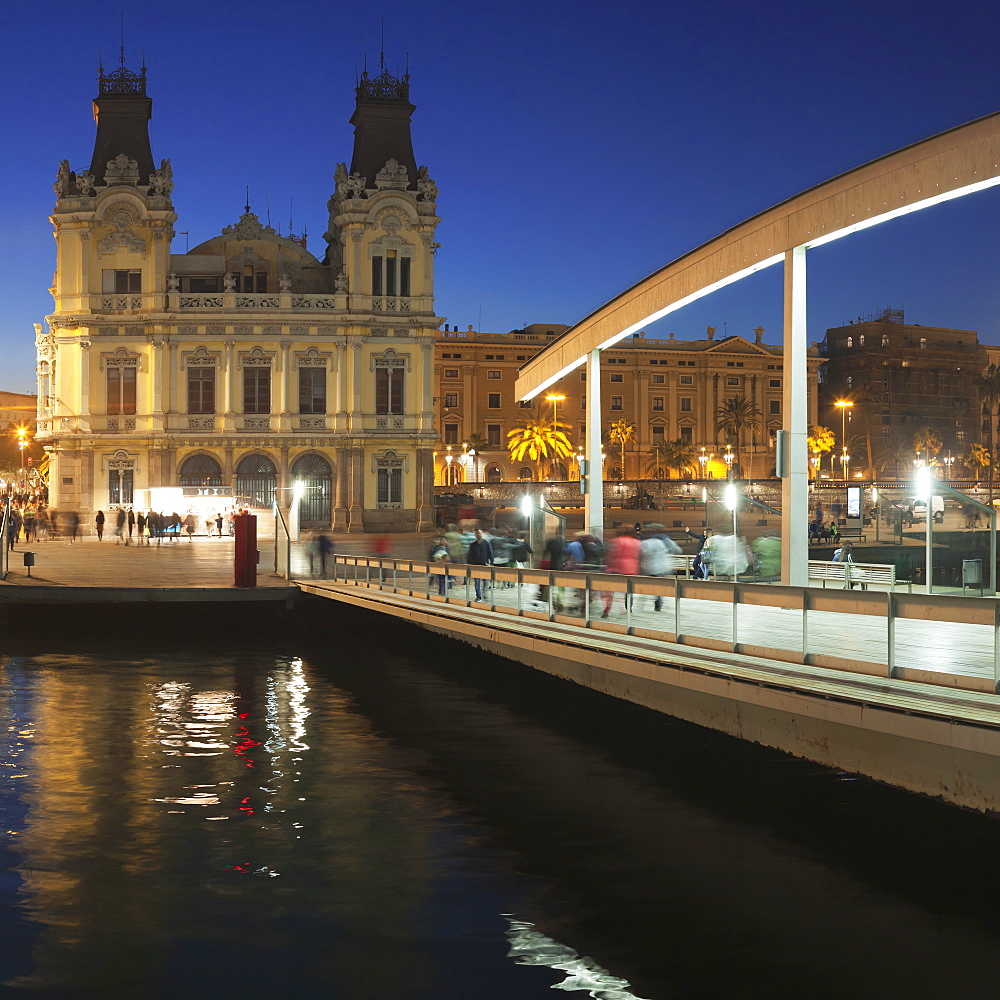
(246, 364)
(667, 390)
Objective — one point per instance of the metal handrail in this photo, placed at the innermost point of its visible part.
(398, 575)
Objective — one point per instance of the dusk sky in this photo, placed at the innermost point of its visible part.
(577, 146)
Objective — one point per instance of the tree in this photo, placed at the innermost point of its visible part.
(927, 440)
(675, 456)
(820, 441)
(978, 457)
(620, 433)
(476, 443)
(868, 397)
(537, 440)
(734, 418)
(988, 387)
(894, 453)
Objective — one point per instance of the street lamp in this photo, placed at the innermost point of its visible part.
(845, 405)
(731, 498)
(948, 462)
(845, 461)
(728, 459)
(703, 461)
(22, 441)
(924, 483)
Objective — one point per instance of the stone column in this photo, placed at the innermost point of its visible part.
(356, 424)
(340, 412)
(172, 377)
(84, 416)
(426, 419)
(229, 387)
(285, 390)
(154, 399)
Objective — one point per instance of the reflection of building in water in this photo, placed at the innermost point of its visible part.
(147, 797)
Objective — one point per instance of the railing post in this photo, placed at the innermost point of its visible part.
(586, 601)
(493, 589)
(996, 646)
(629, 597)
(552, 597)
(890, 615)
(368, 572)
(805, 624)
(395, 565)
(427, 585)
(520, 588)
(677, 608)
(468, 581)
(736, 617)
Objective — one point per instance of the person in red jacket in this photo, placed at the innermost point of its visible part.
(622, 557)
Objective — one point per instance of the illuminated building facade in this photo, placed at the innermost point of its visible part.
(667, 390)
(246, 364)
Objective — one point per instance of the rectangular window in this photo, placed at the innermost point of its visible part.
(774, 383)
(253, 281)
(390, 485)
(583, 401)
(659, 380)
(616, 402)
(201, 390)
(199, 286)
(685, 404)
(121, 281)
(686, 434)
(388, 390)
(493, 435)
(121, 390)
(617, 377)
(657, 402)
(451, 373)
(312, 390)
(525, 403)
(390, 273)
(450, 400)
(493, 373)
(404, 275)
(376, 275)
(257, 390)
(451, 433)
(493, 400)
(120, 486)
(732, 381)
(583, 376)
(687, 380)
(774, 406)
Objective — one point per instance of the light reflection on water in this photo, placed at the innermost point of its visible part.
(353, 823)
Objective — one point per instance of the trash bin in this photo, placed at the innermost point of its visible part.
(972, 573)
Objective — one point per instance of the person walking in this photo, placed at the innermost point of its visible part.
(130, 518)
(218, 523)
(99, 525)
(480, 554)
(140, 525)
(655, 555)
(622, 558)
(702, 564)
(119, 525)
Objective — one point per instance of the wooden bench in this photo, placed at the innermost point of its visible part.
(860, 574)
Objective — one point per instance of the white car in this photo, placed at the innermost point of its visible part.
(918, 508)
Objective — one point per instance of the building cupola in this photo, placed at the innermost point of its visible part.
(122, 112)
(381, 123)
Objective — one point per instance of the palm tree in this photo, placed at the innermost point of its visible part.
(979, 458)
(734, 418)
(868, 397)
(620, 433)
(927, 440)
(988, 386)
(894, 453)
(820, 441)
(674, 456)
(536, 440)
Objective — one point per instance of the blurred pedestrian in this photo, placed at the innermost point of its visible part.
(99, 524)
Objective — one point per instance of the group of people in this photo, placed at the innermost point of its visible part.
(501, 547)
(138, 527)
(34, 522)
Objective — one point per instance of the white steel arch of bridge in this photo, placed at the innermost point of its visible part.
(961, 161)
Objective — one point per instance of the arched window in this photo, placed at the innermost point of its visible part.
(493, 474)
(256, 480)
(658, 473)
(313, 472)
(885, 340)
(861, 340)
(526, 475)
(200, 470)
(923, 343)
(615, 473)
(559, 473)
(452, 475)
(849, 342)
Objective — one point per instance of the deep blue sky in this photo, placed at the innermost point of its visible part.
(577, 146)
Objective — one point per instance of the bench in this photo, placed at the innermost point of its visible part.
(860, 574)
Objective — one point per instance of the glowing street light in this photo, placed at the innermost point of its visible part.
(703, 461)
(923, 482)
(728, 459)
(845, 405)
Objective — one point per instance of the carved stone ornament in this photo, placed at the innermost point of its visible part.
(85, 183)
(427, 189)
(248, 228)
(340, 283)
(61, 185)
(392, 177)
(230, 281)
(121, 237)
(356, 185)
(162, 180)
(121, 170)
(340, 180)
(391, 223)
(285, 282)
(173, 282)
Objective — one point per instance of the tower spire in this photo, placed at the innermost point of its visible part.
(122, 112)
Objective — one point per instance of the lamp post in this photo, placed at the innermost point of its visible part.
(22, 441)
(845, 462)
(948, 462)
(731, 498)
(728, 459)
(703, 461)
(845, 405)
(924, 483)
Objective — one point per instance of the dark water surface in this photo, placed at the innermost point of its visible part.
(353, 808)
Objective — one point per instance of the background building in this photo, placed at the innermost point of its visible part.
(667, 390)
(247, 363)
(903, 379)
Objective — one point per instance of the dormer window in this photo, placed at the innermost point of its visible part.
(252, 280)
(390, 274)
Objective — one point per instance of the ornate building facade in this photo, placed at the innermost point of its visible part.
(667, 390)
(246, 364)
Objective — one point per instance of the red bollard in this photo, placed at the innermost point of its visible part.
(245, 554)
